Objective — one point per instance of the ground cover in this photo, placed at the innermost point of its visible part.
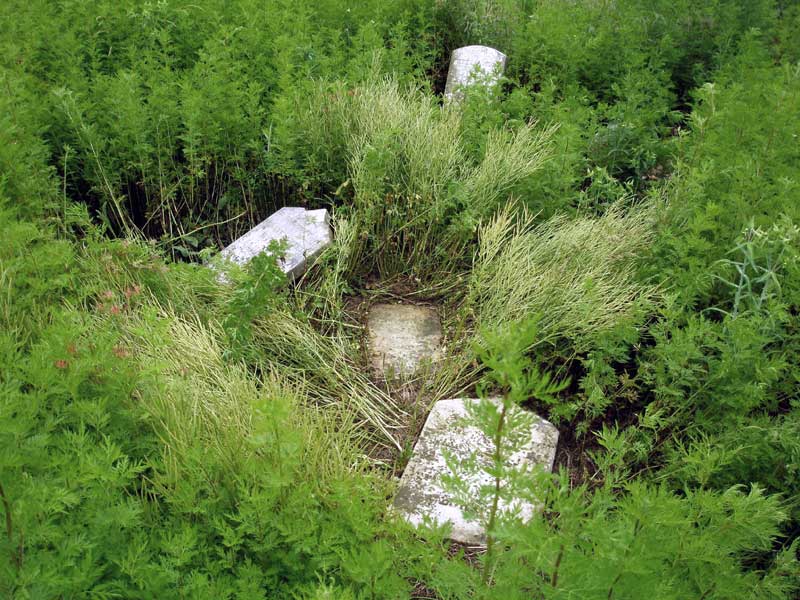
(609, 237)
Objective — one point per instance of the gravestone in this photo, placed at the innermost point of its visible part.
(402, 337)
(306, 232)
(421, 493)
(471, 65)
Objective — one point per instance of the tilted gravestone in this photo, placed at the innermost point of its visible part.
(306, 234)
(402, 337)
(421, 493)
(471, 65)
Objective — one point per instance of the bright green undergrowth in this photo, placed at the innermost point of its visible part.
(612, 236)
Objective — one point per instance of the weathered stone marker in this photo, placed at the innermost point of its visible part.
(464, 62)
(420, 492)
(306, 232)
(401, 337)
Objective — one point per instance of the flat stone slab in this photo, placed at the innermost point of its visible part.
(402, 337)
(490, 64)
(307, 234)
(421, 493)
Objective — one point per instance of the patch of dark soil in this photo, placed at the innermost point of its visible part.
(572, 455)
(422, 592)
(469, 554)
(402, 288)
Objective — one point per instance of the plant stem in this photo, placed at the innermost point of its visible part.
(554, 579)
(64, 190)
(7, 508)
(16, 560)
(497, 456)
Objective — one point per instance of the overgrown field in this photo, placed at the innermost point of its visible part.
(612, 237)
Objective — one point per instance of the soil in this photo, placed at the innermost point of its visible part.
(572, 455)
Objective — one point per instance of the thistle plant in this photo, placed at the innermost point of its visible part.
(761, 257)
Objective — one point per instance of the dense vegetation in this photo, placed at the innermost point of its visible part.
(617, 224)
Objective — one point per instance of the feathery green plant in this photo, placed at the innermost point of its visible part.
(510, 374)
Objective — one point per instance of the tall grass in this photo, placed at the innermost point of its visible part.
(576, 275)
(196, 398)
(328, 367)
(320, 290)
(415, 194)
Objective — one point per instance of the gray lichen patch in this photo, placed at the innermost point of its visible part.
(306, 234)
(421, 493)
(402, 337)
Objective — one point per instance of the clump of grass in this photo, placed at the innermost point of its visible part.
(316, 354)
(199, 398)
(327, 367)
(576, 274)
(320, 290)
(416, 195)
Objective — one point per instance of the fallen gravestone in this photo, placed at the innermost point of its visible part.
(306, 233)
(402, 337)
(421, 494)
(470, 65)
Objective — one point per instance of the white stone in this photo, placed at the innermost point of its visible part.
(421, 494)
(307, 234)
(402, 337)
(473, 64)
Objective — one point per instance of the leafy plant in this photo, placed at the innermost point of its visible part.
(758, 283)
(254, 296)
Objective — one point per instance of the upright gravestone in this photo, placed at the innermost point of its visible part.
(421, 494)
(306, 234)
(470, 65)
